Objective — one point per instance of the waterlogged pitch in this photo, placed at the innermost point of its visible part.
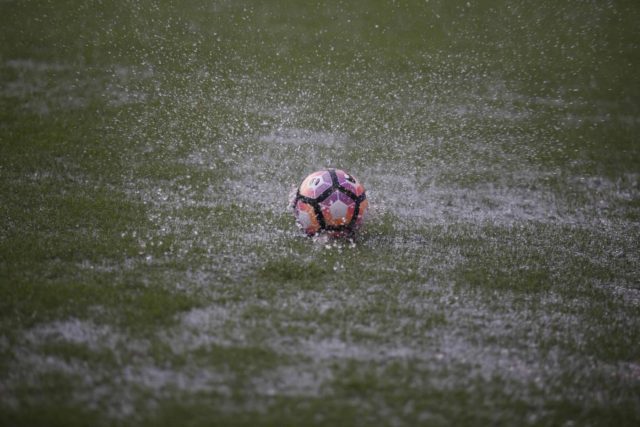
(151, 272)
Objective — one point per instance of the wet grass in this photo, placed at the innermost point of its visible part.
(150, 270)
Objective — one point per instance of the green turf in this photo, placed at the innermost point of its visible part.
(151, 272)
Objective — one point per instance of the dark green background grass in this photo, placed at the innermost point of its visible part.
(151, 272)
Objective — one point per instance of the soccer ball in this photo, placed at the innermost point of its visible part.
(330, 200)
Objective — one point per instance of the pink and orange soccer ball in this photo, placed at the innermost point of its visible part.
(330, 200)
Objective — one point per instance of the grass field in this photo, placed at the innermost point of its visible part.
(151, 272)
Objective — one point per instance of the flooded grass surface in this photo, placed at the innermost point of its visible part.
(150, 269)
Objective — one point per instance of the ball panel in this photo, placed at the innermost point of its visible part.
(349, 182)
(315, 184)
(338, 209)
(362, 212)
(306, 217)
